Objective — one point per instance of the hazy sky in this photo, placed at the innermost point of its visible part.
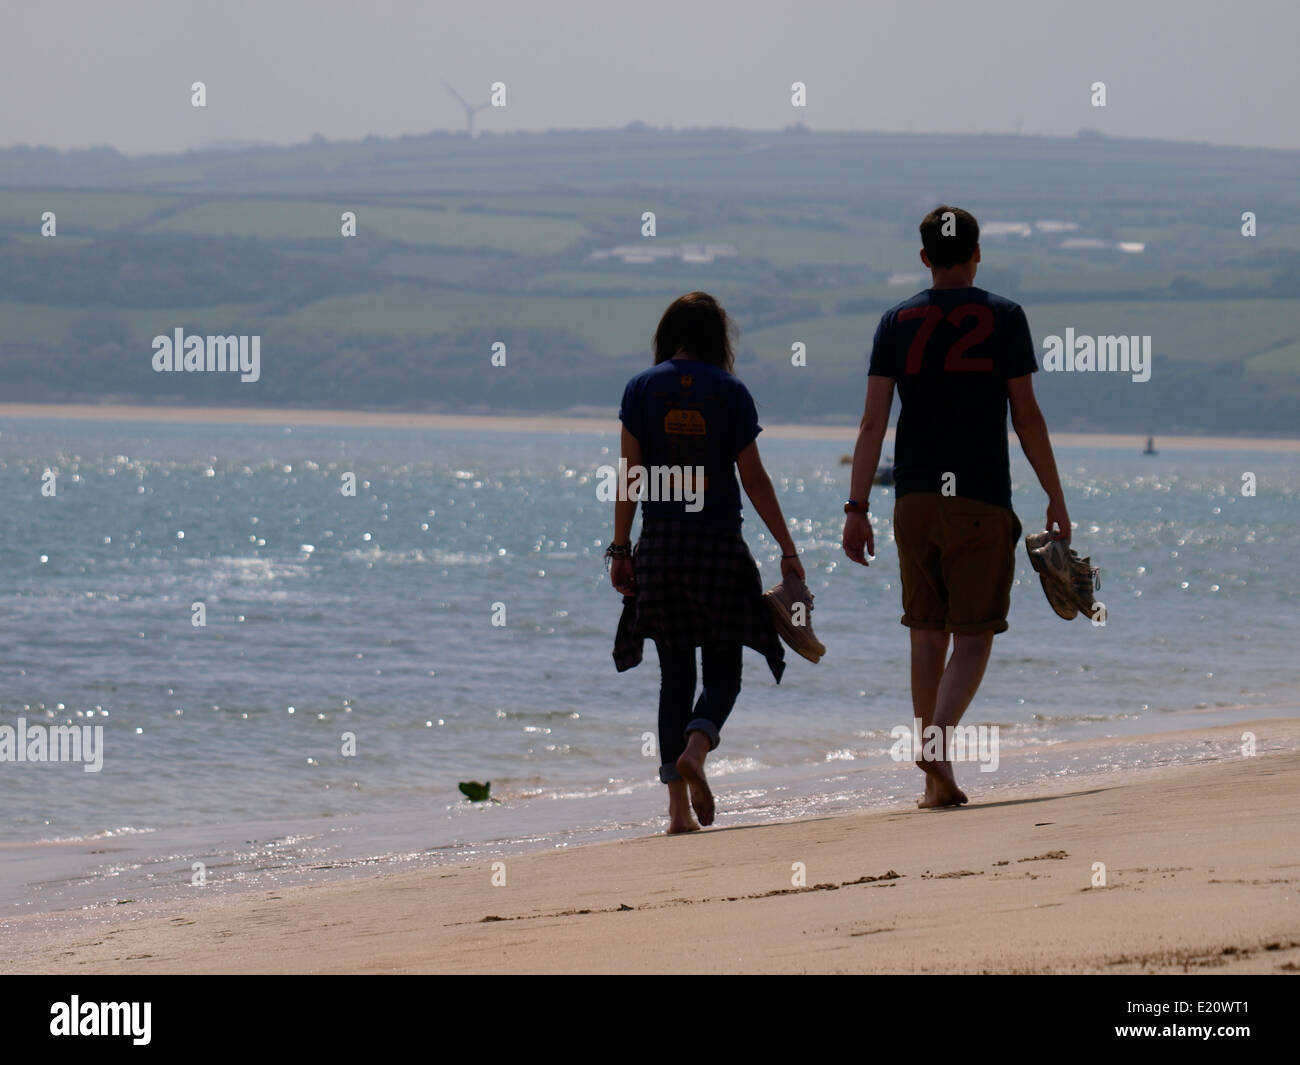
(75, 73)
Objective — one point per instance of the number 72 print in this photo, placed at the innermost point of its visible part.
(955, 360)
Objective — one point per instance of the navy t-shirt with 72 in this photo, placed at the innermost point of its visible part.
(951, 352)
(687, 413)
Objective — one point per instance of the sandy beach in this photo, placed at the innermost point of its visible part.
(552, 424)
(1202, 874)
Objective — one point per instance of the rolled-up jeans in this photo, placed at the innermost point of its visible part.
(679, 712)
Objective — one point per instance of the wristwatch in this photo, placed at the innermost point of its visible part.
(854, 507)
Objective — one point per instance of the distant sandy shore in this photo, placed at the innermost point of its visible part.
(1202, 873)
(548, 424)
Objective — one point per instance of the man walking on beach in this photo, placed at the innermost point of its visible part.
(959, 355)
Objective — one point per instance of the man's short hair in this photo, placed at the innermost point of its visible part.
(957, 244)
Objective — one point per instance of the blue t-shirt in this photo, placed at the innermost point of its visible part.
(951, 352)
(687, 414)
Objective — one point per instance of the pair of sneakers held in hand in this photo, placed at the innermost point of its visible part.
(1068, 582)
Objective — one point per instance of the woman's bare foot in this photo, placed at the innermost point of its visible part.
(691, 766)
(676, 827)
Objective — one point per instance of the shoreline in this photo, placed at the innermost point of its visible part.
(360, 419)
(1200, 863)
(72, 871)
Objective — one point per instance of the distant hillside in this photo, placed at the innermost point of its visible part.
(534, 241)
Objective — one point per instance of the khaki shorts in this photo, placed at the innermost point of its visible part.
(957, 558)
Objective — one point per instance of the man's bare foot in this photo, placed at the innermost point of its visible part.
(691, 766)
(940, 786)
(953, 797)
(676, 827)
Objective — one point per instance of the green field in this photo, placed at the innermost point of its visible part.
(446, 227)
(78, 212)
(461, 242)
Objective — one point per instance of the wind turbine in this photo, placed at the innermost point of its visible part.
(470, 111)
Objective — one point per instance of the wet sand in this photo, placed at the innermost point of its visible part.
(1201, 867)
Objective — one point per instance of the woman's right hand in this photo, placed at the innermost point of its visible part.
(793, 565)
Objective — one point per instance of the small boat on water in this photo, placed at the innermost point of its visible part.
(1150, 449)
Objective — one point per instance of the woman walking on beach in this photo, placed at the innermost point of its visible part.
(688, 425)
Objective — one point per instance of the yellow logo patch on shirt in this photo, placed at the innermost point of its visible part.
(684, 423)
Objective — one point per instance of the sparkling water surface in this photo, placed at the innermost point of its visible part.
(373, 616)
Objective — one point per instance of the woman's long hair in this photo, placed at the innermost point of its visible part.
(696, 325)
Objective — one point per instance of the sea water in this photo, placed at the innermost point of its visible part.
(361, 655)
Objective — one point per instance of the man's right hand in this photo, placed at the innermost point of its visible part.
(857, 534)
(1058, 515)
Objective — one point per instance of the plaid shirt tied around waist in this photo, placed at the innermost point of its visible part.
(695, 585)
